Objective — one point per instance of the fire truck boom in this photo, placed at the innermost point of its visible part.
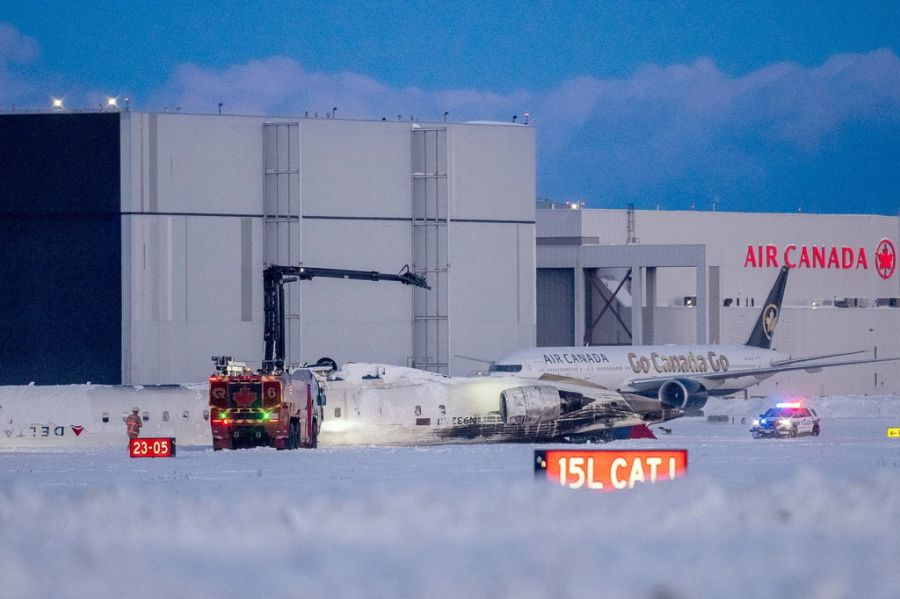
(274, 278)
(277, 407)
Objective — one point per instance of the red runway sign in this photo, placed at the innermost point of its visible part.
(609, 469)
(152, 447)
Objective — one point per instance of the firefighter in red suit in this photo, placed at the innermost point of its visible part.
(134, 424)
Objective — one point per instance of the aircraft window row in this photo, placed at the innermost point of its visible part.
(145, 416)
(506, 368)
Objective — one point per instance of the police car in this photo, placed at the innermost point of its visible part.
(789, 419)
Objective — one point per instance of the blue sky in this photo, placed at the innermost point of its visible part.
(763, 106)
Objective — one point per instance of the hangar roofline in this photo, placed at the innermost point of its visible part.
(305, 117)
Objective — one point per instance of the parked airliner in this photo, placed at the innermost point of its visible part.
(680, 376)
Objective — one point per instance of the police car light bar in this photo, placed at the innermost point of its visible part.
(789, 404)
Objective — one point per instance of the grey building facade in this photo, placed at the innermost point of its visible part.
(137, 242)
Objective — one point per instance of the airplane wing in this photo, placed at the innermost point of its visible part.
(808, 364)
(819, 357)
(558, 378)
(609, 419)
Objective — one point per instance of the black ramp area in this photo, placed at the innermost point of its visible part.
(60, 249)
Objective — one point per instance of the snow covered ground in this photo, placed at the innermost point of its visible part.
(807, 517)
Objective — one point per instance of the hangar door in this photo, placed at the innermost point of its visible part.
(555, 307)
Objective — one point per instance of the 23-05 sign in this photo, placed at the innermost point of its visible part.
(152, 447)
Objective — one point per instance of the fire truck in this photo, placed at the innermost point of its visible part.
(278, 406)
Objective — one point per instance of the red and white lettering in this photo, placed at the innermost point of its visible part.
(821, 256)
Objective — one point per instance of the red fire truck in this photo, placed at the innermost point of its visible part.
(249, 409)
(277, 406)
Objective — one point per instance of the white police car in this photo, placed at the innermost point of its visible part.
(789, 419)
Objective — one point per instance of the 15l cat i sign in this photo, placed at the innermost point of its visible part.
(609, 469)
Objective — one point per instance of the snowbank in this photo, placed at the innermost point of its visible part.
(445, 522)
(853, 406)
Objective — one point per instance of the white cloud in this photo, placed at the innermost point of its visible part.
(660, 126)
(663, 106)
(280, 86)
(695, 127)
(15, 50)
(15, 47)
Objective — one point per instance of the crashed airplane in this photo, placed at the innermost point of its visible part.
(384, 404)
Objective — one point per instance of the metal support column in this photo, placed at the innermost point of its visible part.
(581, 291)
(715, 305)
(637, 305)
(431, 225)
(702, 305)
(281, 217)
(650, 312)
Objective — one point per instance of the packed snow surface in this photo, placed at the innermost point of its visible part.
(806, 517)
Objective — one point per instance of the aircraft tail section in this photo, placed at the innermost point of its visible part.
(768, 318)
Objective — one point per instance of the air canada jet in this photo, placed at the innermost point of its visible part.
(680, 376)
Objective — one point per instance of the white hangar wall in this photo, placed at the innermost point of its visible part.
(207, 201)
(729, 233)
(809, 323)
(191, 199)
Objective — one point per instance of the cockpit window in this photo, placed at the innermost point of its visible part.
(506, 368)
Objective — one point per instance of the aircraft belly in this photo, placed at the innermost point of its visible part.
(486, 431)
(451, 411)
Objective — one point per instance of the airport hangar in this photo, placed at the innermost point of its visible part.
(702, 277)
(135, 242)
(138, 242)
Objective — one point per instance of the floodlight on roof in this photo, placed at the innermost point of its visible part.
(57, 104)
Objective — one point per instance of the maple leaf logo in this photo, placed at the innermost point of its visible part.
(886, 258)
(770, 320)
(245, 397)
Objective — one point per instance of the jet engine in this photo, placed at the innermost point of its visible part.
(530, 405)
(685, 394)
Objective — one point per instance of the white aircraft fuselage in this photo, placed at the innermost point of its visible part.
(384, 404)
(680, 376)
(630, 369)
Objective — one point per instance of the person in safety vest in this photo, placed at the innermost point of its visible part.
(134, 424)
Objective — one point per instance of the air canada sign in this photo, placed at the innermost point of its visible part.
(883, 260)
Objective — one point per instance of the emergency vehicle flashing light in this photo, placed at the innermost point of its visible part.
(789, 404)
(223, 417)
